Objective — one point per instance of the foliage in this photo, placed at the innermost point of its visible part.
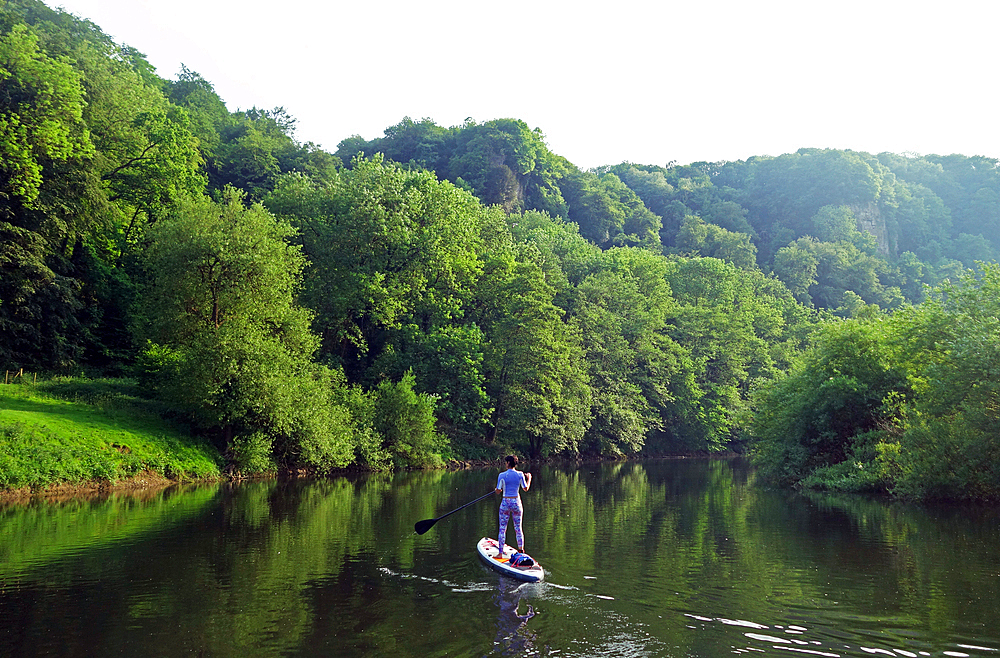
(405, 420)
(698, 237)
(621, 312)
(533, 360)
(947, 437)
(227, 341)
(388, 247)
(465, 291)
(835, 394)
(907, 403)
(41, 116)
(41, 124)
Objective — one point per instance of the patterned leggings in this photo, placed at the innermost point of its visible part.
(510, 508)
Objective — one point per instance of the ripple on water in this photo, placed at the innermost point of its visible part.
(796, 638)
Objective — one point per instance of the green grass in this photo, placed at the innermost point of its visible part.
(76, 430)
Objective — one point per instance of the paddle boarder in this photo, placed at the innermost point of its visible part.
(509, 484)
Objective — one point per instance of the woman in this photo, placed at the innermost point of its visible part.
(509, 483)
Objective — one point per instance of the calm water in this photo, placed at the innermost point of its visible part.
(659, 558)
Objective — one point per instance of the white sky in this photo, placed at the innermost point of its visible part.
(645, 81)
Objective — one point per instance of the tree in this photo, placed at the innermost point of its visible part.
(945, 439)
(621, 311)
(146, 157)
(228, 343)
(824, 411)
(736, 326)
(796, 266)
(496, 158)
(405, 420)
(599, 214)
(695, 236)
(389, 248)
(41, 126)
(41, 115)
(533, 361)
(422, 144)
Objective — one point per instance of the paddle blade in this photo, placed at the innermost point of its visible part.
(423, 526)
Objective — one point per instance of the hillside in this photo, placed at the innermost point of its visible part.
(463, 292)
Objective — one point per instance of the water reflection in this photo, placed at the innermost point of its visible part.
(512, 637)
(661, 558)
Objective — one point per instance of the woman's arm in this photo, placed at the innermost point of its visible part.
(527, 481)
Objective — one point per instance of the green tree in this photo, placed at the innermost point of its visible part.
(621, 311)
(698, 237)
(535, 374)
(146, 157)
(738, 328)
(405, 420)
(41, 127)
(944, 443)
(206, 110)
(41, 115)
(422, 144)
(90, 209)
(496, 158)
(796, 266)
(229, 344)
(824, 411)
(389, 248)
(447, 360)
(600, 216)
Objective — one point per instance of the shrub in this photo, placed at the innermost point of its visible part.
(405, 420)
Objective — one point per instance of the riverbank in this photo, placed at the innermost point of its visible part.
(104, 439)
(79, 438)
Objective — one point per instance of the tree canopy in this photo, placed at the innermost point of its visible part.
(460, 292)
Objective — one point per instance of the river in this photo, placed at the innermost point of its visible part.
(666, 558)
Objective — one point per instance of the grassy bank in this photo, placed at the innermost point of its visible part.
(68, 432)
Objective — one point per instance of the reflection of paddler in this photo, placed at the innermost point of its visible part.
(509, 622)
(509, 483)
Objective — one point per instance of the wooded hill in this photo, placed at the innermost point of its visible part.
(833, 226)
(458, 292)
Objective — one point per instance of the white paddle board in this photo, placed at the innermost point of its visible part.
(489, 551)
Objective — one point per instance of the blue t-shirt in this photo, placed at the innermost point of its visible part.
(509, 481)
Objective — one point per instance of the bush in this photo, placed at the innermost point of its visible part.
(823, 411)
(862, 472)
(368, 449)
(252, 454)
(945, 458)
(405, 420)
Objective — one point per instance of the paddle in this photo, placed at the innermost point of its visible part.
(423, 526)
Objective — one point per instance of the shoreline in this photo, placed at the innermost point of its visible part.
(151, 482)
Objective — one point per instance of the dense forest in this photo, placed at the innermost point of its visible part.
(454, 293)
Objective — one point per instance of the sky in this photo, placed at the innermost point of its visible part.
(642, 81)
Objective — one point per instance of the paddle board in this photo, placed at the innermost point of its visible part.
(500, 560)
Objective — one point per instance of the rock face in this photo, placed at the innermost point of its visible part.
(870, 219)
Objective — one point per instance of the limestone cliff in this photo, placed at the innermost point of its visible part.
(870, 219)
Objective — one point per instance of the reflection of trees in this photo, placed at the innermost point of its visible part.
(41, 531)
(228, 570)
(934, 563)
(276, 568)
(701, 537)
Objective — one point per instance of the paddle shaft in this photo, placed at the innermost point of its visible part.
(423, 526)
